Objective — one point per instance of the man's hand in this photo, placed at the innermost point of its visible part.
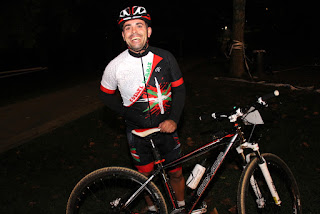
(168, 126)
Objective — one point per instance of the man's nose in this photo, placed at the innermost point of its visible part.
(133, 30)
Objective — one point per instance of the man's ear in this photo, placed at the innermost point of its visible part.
(123, 36)
(149, 32)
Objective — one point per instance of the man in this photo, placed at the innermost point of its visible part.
(153, 93)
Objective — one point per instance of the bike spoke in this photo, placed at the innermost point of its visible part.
(108, 194)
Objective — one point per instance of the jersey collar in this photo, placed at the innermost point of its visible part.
(138, 54)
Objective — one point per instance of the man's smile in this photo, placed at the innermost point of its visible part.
(136, 38)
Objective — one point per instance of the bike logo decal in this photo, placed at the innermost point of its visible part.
(206, 180)
(158, 69)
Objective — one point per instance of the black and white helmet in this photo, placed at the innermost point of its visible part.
(135, 12)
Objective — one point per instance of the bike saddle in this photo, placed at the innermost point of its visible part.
(145, 132)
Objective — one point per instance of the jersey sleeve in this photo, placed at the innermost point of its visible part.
(176, 74)
(109, 81)
(178, 89)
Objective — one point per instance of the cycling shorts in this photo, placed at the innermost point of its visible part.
(168, 146)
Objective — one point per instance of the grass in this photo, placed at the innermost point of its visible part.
(38, 177)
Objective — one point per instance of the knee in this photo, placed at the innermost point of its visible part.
(146, 173)
(176, 176)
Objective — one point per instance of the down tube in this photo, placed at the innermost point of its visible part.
(210, 173)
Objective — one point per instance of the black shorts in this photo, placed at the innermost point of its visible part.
(141, 152)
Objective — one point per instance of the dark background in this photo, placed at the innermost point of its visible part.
(76, 39)
(82, 35)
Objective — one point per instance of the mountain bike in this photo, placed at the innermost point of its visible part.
(266, 185)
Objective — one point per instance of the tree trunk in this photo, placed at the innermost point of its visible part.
(237, 54)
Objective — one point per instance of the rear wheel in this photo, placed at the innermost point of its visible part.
(106, 190)
(283, 180)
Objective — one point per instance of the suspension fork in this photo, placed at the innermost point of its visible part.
(266, 174)
(246, 160)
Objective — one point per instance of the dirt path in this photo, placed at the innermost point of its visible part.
(23, 121)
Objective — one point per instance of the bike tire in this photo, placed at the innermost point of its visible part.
(283, 180)
(95, 191)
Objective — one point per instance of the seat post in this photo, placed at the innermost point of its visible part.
(152, 144)
(155, 151)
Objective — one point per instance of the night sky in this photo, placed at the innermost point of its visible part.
(84, 33)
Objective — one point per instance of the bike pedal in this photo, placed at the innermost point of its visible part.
(204, 205)
(177, 211)
(199, 211)
(203, 209)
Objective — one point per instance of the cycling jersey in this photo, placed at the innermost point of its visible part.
(131, 73)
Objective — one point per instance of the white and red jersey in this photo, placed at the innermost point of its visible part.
(161, 73)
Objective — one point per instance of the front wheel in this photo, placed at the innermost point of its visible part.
(252, 183)
(107, 190)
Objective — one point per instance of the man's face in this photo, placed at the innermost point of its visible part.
(136, 33)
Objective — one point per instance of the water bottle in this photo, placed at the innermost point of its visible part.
(196, 175)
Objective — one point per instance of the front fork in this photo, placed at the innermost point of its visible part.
(264, 169)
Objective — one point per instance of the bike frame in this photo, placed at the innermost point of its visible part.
(207, 177)
(211, 171)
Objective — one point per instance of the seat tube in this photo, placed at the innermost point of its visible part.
(165, 180)
(155, 152)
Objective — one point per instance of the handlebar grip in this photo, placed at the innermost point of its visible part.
(268, 96)
(204, 117)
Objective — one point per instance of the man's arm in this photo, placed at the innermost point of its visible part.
(178, 96)
(113, 102)
(178, 99)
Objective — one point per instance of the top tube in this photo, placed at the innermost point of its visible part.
(202, 150)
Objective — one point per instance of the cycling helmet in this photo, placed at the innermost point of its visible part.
(135, 12)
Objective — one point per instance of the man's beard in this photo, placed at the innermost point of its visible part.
(140, 47)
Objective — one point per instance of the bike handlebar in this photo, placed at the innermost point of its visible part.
(261, 100)
(214, 115)
(233, 116)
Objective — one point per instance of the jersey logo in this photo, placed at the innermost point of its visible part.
(158, 97)
(147, 73)
(158, 69)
